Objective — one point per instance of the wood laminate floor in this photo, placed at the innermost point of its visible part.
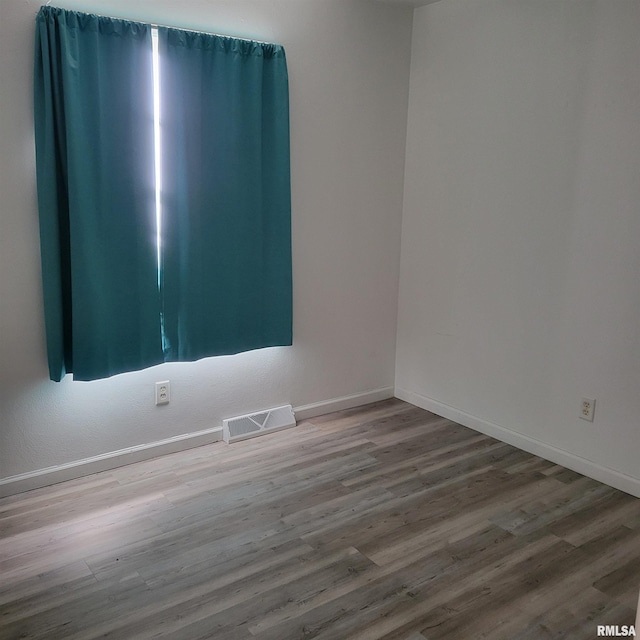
(384, 521)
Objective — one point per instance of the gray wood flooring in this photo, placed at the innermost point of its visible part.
(384, 521)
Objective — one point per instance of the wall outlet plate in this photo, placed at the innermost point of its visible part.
(163, 392)
(587, 408)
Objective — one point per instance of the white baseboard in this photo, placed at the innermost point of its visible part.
(104, 462)
(613, 478)
(340, 404)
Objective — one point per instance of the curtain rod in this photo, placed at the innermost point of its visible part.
(168, 26)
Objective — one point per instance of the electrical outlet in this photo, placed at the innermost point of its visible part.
(163, 392)
(587, 407)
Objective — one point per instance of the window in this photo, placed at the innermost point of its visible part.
(163, 193)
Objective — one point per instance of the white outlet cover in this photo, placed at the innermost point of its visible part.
(587, 408)
(163, 392)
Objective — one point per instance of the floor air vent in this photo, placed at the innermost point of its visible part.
(255, 424)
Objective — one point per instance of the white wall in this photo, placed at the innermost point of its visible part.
(349, 92)
(520, 268)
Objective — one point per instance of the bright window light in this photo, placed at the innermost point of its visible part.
(157, 148)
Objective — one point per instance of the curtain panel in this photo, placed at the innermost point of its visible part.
(226, 222)
(118, 295)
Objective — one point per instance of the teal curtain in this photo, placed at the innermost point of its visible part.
(94, 138)
(226, 188)
(223, 283)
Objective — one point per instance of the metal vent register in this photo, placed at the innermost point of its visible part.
(256, 424)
